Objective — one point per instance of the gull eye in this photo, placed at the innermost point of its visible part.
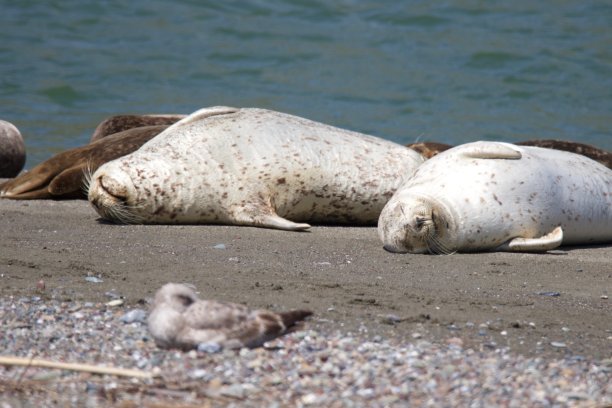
(184, 299)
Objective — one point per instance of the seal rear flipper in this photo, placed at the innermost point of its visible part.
(31, 181)
(68, 183)
(542, 244)
(490, 150)
(38, 194)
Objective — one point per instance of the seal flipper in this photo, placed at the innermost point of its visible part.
(202, 114)
(31, 181)
(275, 221)
(62, 185)
(542, 244)
(38, 194)
(264, 217)
(490, 150)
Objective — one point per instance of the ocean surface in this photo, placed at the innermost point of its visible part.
(447, 71)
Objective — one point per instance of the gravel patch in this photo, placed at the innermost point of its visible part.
(306, 368)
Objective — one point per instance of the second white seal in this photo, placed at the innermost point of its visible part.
(497, 196)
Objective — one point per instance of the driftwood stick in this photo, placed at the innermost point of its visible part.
(89, 368)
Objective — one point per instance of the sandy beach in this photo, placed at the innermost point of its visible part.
(552, 306)
(342, 274)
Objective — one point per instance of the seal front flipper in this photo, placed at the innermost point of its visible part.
(275, 221)
(203, 114)
(545, 243)
(490, 150)
(266, 218)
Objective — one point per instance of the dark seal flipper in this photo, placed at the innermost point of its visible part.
(63, 175)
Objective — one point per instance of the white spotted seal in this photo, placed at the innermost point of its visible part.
(178, 319)
(497, 196)
(252, 167)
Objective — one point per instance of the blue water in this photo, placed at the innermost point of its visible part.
(404, 70)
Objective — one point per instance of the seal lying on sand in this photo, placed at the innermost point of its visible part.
(119, 123)
(498, 196)
(12, 150)
(252, 167)
(178, 319)
(63, 175)
(431, 149)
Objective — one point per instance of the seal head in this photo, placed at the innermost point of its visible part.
(417, 224)
(116, 197)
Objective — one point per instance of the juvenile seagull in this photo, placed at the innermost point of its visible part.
(178, 319)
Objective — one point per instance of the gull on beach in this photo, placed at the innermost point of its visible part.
(178, 319)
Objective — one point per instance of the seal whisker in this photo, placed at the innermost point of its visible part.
(87, 177)
(435, 246)
(121, 214)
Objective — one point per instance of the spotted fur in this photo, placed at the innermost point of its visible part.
(254, 167)
(497, 196)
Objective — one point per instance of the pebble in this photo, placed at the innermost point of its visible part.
(558, 344)
(551, 294)
(40, 286)
(93, 279)
(308, 367)
(209, 348)
(134, 315)
(391, 319)
(112, 294)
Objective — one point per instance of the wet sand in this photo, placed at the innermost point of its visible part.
(547, 305)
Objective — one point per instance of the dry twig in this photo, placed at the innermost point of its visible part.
(19, 361)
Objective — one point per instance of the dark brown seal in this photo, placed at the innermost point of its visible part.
(119, 123)
(64, 175)
(429, 149)
(600, 155)
(12, 150)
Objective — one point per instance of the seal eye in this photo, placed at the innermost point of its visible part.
(419, 221)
